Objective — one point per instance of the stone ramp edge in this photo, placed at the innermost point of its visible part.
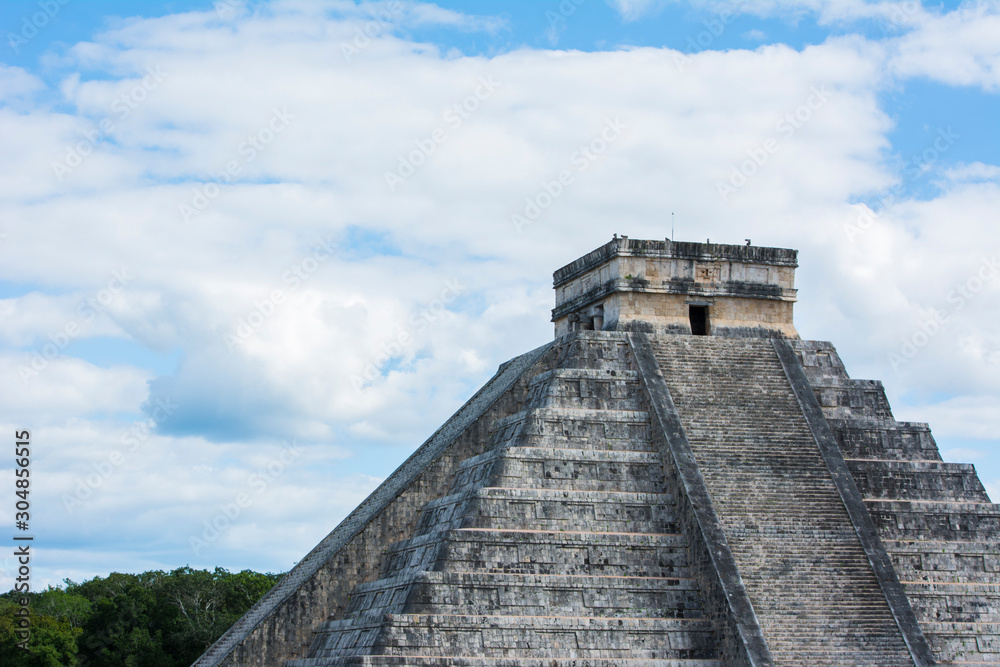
(885, 573)
(505, 378)
(729, 583)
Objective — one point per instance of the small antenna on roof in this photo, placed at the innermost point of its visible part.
(672, 226)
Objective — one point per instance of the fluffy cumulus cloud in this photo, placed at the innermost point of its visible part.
(340, 231)
(956, 46)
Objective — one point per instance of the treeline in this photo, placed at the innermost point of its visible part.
(153, 619)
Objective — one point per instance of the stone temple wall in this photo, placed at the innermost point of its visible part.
(630, 285)
(668, 313)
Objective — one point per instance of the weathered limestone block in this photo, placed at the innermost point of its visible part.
(540, 552)
(918, 480)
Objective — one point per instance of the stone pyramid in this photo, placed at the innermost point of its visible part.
(677, 479)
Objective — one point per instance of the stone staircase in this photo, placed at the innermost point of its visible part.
(814, 591)
(556, 546)
(934, 518)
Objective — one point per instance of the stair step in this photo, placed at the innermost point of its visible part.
(541, 552)
(551, 509)
(562, 468)
(809, 580)
(519, 637)
(527, 595)
(575, 428)
(483, 661)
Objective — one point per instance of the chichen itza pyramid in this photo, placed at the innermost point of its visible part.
(676, 479)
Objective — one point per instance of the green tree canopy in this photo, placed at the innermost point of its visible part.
(151, 619)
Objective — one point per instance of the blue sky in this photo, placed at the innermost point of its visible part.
(223, 240)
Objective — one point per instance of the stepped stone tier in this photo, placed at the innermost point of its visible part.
(676, 480)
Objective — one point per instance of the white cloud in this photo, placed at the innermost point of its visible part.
(971, 417)
(418, 14)
(131, 486)
(892, 15)
(957, 48)
(16, 84)
(39, 390)
(962, 454)
(686, 126)
(37, 320)
(976, 171)
(331, 161)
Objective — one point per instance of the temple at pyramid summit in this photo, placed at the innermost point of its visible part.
(677, 479)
